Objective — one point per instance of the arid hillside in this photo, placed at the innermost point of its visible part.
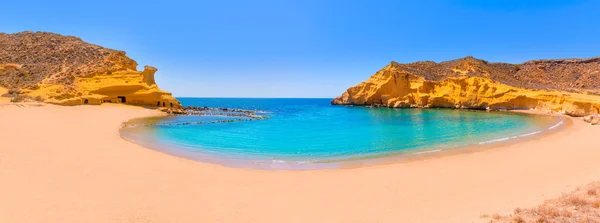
(571, 86)
(574, 75)
(29, 58)
(66, 70)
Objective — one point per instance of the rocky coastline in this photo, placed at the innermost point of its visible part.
(567, 86)
(65, 70)
(220, 111)
(236, 115)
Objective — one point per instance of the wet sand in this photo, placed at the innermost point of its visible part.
(69, 164)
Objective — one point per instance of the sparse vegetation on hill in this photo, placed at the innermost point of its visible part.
(568, 86)
(65, 70)
(29, 58)
(572, 75)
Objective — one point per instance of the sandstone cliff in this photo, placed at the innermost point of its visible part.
(570, 86)
(68, 71)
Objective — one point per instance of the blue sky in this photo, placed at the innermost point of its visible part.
(310, 48)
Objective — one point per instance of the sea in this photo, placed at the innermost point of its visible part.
(301, 133)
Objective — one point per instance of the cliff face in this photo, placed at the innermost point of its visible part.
(67, 71)
(569, 86)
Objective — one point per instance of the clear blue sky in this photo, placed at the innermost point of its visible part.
(310, 48)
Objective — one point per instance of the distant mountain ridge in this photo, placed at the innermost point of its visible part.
(564, 85)
(66, 70)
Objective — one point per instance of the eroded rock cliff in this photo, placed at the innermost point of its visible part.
(570, 86)
(65, 70)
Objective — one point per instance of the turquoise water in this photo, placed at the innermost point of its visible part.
(303, 132)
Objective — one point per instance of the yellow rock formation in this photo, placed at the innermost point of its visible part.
(394, 87)
(127, 87)
(3, 91)
(65, 70)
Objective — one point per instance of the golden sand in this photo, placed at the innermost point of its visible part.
(69, 164)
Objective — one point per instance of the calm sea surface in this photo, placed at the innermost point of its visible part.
(306, 133)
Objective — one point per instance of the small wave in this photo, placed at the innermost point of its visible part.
(304, 162)
(285, 162)
(529, 134)
(495, 140)
(519, 136)
(431, 151)
(557, 124)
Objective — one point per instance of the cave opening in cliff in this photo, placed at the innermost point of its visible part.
(85, 101)
(171, 104)
(163, 104)
(123, 99)
(158, 104)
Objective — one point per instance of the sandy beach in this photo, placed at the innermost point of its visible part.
(69, 164)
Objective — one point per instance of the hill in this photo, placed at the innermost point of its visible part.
(566, 85)
(66, 70)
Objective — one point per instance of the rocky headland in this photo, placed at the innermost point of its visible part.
(65, 70)
(569, 86)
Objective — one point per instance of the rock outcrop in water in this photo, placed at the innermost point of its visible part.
(65, 70)
(570, 86)
(229, 112)
(232, 114)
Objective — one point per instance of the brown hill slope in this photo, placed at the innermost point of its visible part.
(66, 70)
(567, 85)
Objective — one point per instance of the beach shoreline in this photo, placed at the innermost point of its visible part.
(69, 164)
(386, 158)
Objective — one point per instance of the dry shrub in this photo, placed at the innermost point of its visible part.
(581, 205)
(26, 98)
(540, 219)
(518, 219)
(576, 201)
(566, 213)
(64, 96)
(496, 216)
(586, 220)
(34, 87)
(596, 204)
(548, 211)
(13, 91)
(518, 210)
